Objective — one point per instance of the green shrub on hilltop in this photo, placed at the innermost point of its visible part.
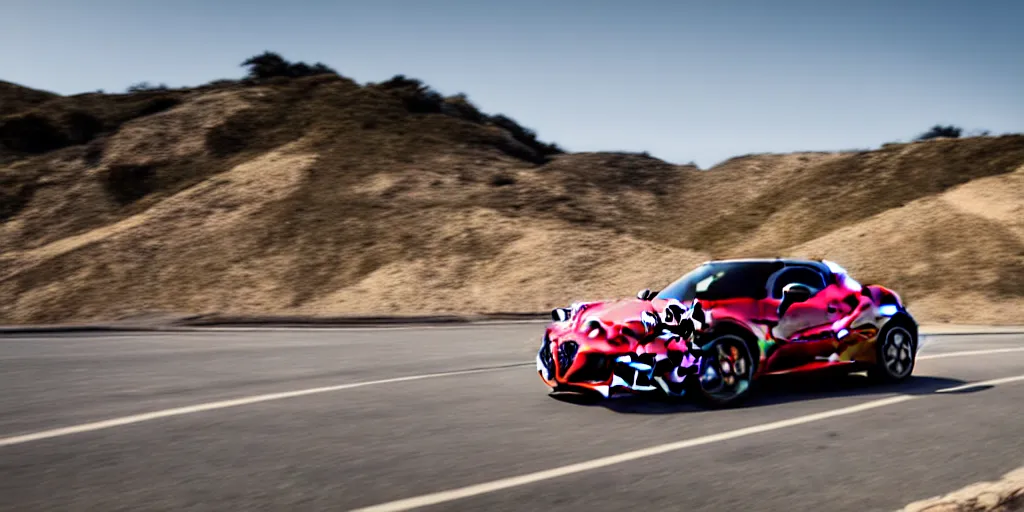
(270, 65)
(939, 131)
(146, 86)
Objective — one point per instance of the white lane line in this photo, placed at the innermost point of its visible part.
(982, 384)
(966, 353)
(529, 478)
(223, 404)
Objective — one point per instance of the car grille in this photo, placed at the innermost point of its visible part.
(566, 354)
(595, 368)
(631, 375)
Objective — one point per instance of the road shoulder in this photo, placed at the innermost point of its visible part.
(1003, 495)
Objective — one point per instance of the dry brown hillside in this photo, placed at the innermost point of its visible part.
(15, 98)
(320, 195)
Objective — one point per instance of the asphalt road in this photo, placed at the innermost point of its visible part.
(349, 437)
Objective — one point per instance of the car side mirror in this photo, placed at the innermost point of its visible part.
(646, 294)
(793, 293)
(561, 314)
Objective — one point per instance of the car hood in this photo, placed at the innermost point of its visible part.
(612, 315)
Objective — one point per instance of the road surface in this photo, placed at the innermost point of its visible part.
(291, 419)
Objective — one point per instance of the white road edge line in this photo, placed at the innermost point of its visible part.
(970, 353)
(529, 478)
(223, 404)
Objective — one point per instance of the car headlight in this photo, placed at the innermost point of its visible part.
(888, 309)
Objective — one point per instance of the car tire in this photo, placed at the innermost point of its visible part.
(895, 354)
(725, 372)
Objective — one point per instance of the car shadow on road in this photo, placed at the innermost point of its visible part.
(771, 391)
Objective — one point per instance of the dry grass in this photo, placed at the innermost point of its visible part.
(321, 196)
(951, 263)
(15, 98)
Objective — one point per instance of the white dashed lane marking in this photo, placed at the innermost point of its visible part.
(224, 404)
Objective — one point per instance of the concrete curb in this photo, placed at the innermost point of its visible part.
(55, 329)
(342, 321)
(256, 321)
(1004, 495)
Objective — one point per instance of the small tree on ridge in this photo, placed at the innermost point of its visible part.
(939, 131)
(269, 64)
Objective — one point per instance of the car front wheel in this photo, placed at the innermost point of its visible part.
(725, 372)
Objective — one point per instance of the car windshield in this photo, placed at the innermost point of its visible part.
(722, 280)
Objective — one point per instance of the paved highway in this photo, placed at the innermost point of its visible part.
(455, 418)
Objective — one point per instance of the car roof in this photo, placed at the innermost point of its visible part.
(818, 264)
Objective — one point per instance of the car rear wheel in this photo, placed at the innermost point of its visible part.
(896, 351)
(725, 372)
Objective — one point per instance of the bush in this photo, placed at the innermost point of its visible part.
(517, 131)
(401, 82)
(129, 183)
(520, 151)
(525, 136)
(223, 82)
(939, 131)
(460, 106)
(146, 86)
(423, 102)
(269, 65)
(266, 65)
(416, 97)
(31, 133)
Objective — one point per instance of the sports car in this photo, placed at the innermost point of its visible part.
(715, 331)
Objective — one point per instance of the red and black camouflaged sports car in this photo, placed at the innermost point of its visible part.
(717, 329)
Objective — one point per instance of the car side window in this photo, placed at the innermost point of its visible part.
(803, 275)
(734, 281)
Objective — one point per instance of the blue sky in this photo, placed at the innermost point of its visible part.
(684, 80)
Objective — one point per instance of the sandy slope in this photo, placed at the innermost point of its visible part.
(958, 255)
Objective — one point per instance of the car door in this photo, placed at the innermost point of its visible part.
(804, 327)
